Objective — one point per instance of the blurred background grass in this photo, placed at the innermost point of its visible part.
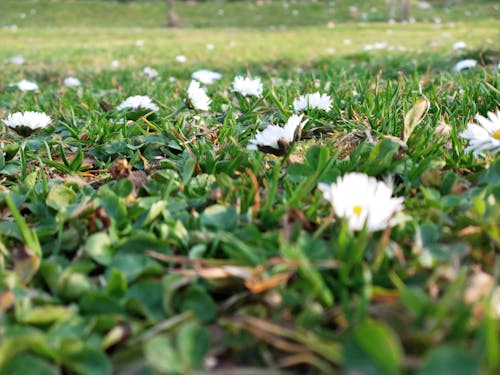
(200, 14)
(68, 35)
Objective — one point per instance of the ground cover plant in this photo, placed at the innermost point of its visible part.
(314, 199)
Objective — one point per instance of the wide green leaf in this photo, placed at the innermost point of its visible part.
(380, 344)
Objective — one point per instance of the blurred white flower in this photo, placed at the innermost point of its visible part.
(197, 97)
(459, 45)
(375, 46)
(312, 101)
(207, 77)
(424, 5)
(485, 136)
(247, 86)
(72, 82)
(150, 72)
(25, 122)
(25, 85)
(210, 46)
(17, 60)
(362, 200)
(480, 285)
(276, 139)
(465, 64)
(139, 43)
(115, 64)
(137, 103)
(181, 58)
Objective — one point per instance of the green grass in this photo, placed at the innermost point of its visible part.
(62, 50)
(208, 254)
(215, 14)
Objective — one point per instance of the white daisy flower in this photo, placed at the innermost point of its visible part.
(465, 64)
(17, 60)
(362, 200)
(181, 58)
(25, 122)
(137, 103)
(25, 85)
(424, 5)
(150, 72)
(459, 45)
(72, 82)
(247, 86)
(313, 101)
(207, 77)
(375, 46)
(276, 139)
(485, 136)
(197, 97)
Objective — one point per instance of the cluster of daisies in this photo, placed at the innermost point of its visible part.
(362, 201)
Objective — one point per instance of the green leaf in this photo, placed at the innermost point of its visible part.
(317, 157)
(117, 284)
(115, 208)
(133, 265)
(59, 197)
(99, 303)
(199, 301)
(154, 211)
(98, 247)
(447, 360)
(28, 364)
(219, 217)
(310, 274)
(29, 236)
(19, 339)
(124, 187)
(381, 157)
(77, 161)
(372, 337)
(492, 342)
(86, 360)
(2, 161)
(188, 169)
(298, 170)
(45, 314)
(491, 175)
(161, 355)
(192, 343)
(71, 285)
(415, 299)
(146, 298)
(413, 117)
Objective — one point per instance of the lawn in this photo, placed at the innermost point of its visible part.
(145, 241)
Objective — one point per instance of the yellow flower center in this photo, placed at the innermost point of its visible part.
(357, 210)
(496, 134)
